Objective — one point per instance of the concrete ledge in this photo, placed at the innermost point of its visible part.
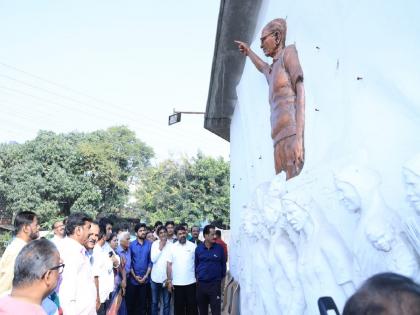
(237, 20)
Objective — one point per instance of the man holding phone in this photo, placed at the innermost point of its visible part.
(104, 260)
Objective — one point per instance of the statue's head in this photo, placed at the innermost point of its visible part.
(295, 208)
(411, 173)
(381, 235)
(273, 37)
(353, 184)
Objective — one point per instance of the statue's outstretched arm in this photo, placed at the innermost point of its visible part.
(259, 64)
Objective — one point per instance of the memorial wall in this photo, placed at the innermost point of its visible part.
(354, 208)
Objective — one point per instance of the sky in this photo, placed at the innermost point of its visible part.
(87, 65)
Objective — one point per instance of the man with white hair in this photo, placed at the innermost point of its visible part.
(59, 229)
(123, 250)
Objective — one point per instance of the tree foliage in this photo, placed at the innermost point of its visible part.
(192, 190)
(56, 174)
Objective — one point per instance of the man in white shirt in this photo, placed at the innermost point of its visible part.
(77, 291)
(181, 274)
(107, 225)
(170, 228)
(59, 230)
(159, 257)
(104, 260)
(27, 229)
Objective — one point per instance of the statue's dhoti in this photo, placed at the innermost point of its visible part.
(283, 133)
(284, 157)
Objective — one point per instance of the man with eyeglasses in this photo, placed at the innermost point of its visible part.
(27, 229)
(36, 273)
(77, 290)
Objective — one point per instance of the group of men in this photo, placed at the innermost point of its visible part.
(87, 269)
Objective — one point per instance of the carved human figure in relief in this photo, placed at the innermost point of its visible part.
(324, 262)
(396, 255)
(282, 256)
(359, 191)
(411, 174)
(256, 277)
(286, 96)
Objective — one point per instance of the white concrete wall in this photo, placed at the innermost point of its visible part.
(374, 121)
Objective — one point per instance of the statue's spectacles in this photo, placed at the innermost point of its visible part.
(265, 37)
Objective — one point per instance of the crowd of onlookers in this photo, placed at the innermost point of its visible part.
(93, 267)
(87, 268)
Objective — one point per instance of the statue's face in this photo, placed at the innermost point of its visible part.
(381, 239)
(412, 183)
(348, 196)
(295, 215)
(268, 43)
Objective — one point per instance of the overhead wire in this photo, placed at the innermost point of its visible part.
(7, 104)
(149, 120)
(179, 140)
(158, 131)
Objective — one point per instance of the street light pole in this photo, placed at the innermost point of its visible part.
(176, 116)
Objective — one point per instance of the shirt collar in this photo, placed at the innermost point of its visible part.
(144, 242)
(211, 245)
(121, 249)
(76, 244)
(19, 240)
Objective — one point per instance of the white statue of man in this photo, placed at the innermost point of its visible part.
(411, 174)
(358, 190)
(324, 262)
(282, 256)
(396, 255)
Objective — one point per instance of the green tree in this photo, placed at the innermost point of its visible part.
(55, 174)
(191, 190)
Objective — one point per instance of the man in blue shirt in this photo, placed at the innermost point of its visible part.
(210, 269)
(141, 267)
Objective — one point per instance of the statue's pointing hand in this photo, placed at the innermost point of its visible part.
(243, 47)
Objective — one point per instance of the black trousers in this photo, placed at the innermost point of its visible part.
(135, 299)
(102, 309)
(148, 299)
(184, 299)
(104, 306)
(209, 293)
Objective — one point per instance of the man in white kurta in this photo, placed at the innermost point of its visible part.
(77, 290)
